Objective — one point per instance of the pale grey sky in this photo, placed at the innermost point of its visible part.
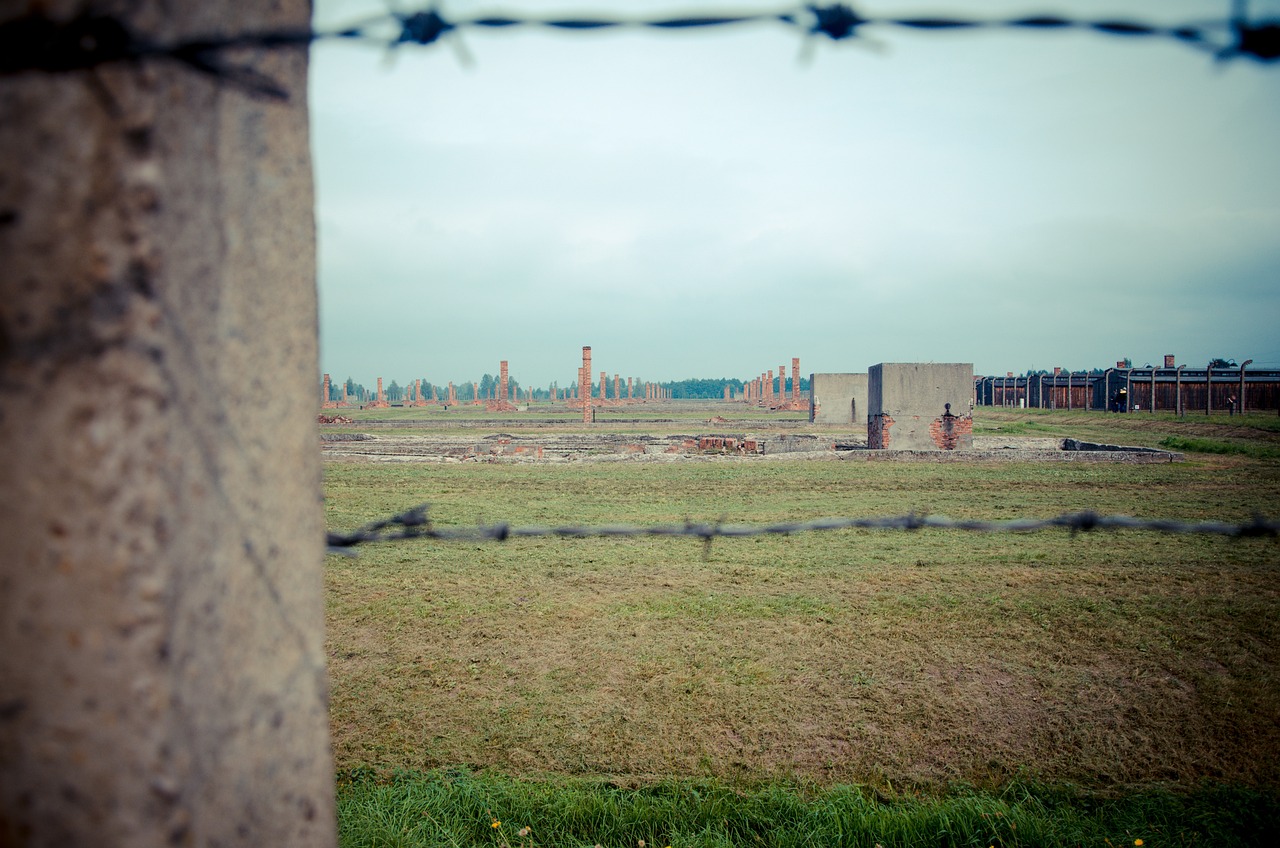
(705, 204)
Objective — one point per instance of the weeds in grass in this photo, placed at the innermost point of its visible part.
(702, 814)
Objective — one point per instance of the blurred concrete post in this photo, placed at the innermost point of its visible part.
(162, 675)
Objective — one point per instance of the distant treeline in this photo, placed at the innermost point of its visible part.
(694, 388)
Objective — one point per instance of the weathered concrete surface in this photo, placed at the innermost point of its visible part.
(798, 444)
(920, 406)
(838, 399)
(162, 675)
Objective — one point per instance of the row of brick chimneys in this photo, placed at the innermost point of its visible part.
(760, 391)
(590, 397)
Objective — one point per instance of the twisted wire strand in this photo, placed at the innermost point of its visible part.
(415, 523)
(36, 42)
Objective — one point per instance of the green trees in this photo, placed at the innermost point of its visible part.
(701, 388)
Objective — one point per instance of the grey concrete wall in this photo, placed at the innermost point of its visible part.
(162, 677)
(907, 405)
(838, 399)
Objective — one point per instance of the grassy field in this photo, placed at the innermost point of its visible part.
(907, 664)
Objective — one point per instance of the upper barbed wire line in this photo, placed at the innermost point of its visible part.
(415, 523)
(35, 42)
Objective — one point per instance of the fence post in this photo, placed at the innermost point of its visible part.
(163, 674)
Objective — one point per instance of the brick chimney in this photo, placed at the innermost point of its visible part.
(1170, 361)
(502, 380)
(795, 379)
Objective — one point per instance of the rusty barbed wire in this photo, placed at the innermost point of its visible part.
(416, 523)
(37, 42)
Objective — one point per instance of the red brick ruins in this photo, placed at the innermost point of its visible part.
(760, 391)
(325, 393)
(414, 396)
(590, 398)
(502, 403)
(380, 402)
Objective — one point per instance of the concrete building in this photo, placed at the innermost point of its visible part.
(838, 399)
(920, 406)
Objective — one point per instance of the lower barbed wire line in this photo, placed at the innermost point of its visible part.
(415, 524)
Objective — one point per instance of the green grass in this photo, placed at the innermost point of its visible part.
(1259, 431)
(456, 807)
(1219, 446)
(853, 656)
(601, 673)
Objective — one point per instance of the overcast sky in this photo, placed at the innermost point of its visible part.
(707, 204)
